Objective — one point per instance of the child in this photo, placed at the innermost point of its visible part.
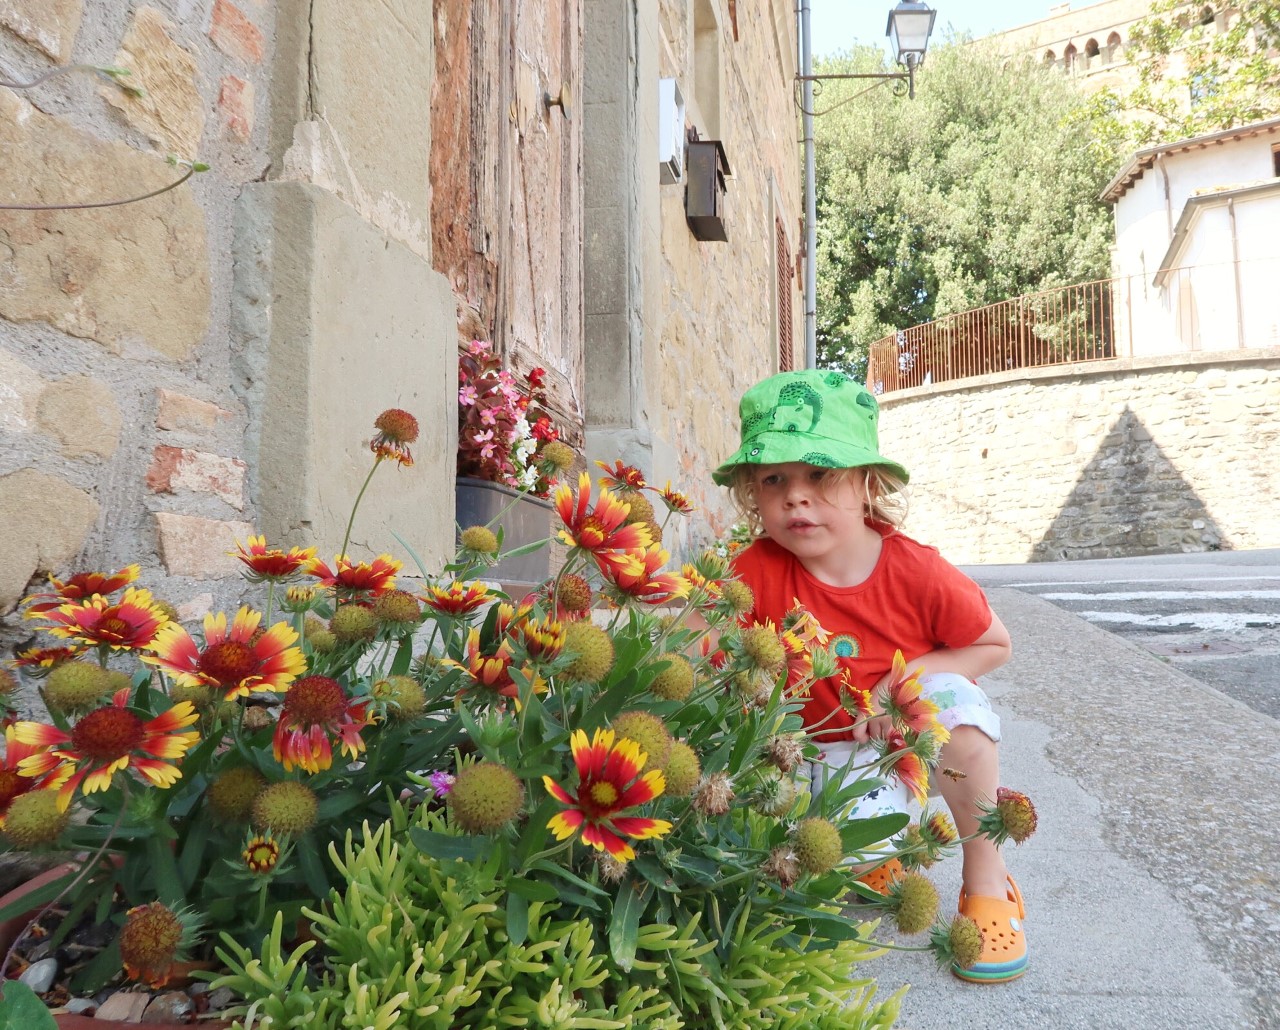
(811, 481)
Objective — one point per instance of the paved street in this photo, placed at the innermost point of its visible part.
(1215, 616)
(1152, 884)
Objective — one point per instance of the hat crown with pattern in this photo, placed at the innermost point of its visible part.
(815, 416)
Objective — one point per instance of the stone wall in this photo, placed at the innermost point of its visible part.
(1115, 459)
(677, 328)
(180, 372)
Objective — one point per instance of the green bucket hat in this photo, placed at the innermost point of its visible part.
(815, 416)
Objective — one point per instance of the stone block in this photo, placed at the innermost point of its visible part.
(337, 322)
(20, 386)
(115, 275)
(174, 469)
(82, 413)
(234, 34)
(50, 25)
(176, 412)
(196, 547)
(170, 112)
(235, 104)
(363, 58)
(45, 521)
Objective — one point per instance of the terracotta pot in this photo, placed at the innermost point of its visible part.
(11, 928)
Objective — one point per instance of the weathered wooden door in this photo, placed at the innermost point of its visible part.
(506, 172)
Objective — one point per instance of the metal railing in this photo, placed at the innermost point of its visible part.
(1221, 306)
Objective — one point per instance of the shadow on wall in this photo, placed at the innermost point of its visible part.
(1129, 500)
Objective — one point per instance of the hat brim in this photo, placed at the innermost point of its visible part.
(776, 448)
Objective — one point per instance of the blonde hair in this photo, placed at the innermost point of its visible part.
(886, 494)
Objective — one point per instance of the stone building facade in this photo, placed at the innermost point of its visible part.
(385, 180)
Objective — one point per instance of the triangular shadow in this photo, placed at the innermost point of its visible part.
(1129, 500)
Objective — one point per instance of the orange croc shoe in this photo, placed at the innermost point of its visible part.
(1004, 946)
(879, 878)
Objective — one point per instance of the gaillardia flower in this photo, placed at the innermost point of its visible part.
(607, 786)
(641, 578)
(620, 476)
(105, 742)
(132, 622)
(396, 430)
(600, 529)
(457, 598)
(79, 587)
(272, 564)
(315, 708)
(903, 701)
(13, 783)
(152, 939)
(236, 661)
(904, 763)
(352, 578)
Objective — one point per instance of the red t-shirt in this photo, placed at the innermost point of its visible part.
(914, 601)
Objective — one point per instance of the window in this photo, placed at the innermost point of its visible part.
(1049, 58)
(1113, 47)
(1069, 58)
(1275, 160)
(786, 346)
(706, 67)
(1091, 50)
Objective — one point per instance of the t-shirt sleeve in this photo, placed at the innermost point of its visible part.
(958, 609)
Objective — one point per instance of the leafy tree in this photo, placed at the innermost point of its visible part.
(1199, 69)
(982, 188)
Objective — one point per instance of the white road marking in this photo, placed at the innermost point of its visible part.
(1169, 595)
(1219, 621)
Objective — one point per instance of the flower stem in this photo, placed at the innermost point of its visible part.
(351, 521)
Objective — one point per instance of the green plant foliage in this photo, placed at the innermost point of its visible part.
(21, 1007)
(1199, 70)
(981, 189)
(421, 942)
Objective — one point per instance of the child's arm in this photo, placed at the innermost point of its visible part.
(988, 652)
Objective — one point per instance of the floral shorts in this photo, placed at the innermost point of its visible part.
(960, 701)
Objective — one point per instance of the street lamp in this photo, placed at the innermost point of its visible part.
(908, 29)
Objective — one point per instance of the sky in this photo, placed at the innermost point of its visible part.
(840, 24)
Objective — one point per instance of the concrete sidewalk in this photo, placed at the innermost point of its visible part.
(1152, 883)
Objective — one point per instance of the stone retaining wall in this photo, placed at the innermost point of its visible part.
(1094, 461)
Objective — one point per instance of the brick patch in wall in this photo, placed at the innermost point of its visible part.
(177, 468)
(235, 102)
(196, 547)
(234, 34)
(178, 412)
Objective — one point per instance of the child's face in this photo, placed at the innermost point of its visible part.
(807, 509)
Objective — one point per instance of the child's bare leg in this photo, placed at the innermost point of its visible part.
(973, 753)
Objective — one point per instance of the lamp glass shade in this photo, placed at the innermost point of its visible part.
(910, 25)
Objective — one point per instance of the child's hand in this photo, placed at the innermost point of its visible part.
(875, 728)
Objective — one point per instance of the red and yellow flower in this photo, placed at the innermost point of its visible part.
(457, 598)
(80, 586)
(396, 430)
(130, 623)
(856, 701)
(490, 667)
(640, 578)
(599, 529)
(315, 710)
(609, 783)
(910, 769)
(108, 740)
(236, 660)
(901, 698)
(13, 782)
(272, 563)
(261, 853)
(351, 578)
(41, 659)
(621, 477)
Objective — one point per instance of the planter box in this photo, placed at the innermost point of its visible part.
(524, 520)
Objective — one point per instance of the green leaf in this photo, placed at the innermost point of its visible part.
(163, 872)
(653, 871)
(412, 554)
(517, 918)
(860, 833)
(624, 926)
(193, 849)
(532, 890)
(95, 976)
(404, 656)
(19, 1007)
(535, 833)
(312, 869)
(446, 846)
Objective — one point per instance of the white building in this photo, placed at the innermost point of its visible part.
(1197, 254)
